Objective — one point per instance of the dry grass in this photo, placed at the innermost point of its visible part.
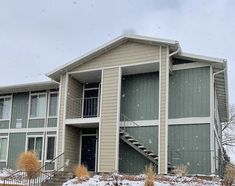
(229, 175)
(28, 161)
(81, 172)
(181, 170)
(150, 175)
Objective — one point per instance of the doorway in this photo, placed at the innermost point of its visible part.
(88, 151)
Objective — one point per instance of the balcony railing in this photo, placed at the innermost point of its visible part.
(82, 107)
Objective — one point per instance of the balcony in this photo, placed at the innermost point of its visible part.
(82, 110)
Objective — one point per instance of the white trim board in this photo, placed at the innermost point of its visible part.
(82, 120)
(24, 130)
(179, 121)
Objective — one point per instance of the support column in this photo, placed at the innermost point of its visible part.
(109, 126)
(163, 110)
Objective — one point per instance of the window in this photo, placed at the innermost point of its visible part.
(53, 105)
(38, 106)
(50, 148)
(35, 144)
(3, 149)
(5, 108)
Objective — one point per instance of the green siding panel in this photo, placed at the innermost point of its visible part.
(189, 93)
(16, 146)
(4, 124)
(190, 145)
(2, 165)
(130, 161)
(140, 95)
(20, 105)
(148, 136)
(52, 122)
(36, 123)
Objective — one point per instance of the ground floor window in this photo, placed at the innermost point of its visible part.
(50, 148)
(35, 144)
(3, 149)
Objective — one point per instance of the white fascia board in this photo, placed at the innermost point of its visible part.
(28, 87)
(201, 57)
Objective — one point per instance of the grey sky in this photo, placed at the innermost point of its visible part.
(38, 36)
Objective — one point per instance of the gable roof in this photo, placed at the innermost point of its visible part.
(55, 74)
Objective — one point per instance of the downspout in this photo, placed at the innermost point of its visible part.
(175, 52)
(213, 104)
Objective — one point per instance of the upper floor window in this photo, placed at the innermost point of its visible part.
(5, 107)
(3, 148)
(38, 106)
(53, 105)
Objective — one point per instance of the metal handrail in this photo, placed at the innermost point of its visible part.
(36, 177)
(82, 107)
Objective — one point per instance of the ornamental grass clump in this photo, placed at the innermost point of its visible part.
(28, 162)
(180, 170)
(150, 175)
(81, 173)
(229, 175)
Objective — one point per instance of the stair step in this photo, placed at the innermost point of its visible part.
(132, 140)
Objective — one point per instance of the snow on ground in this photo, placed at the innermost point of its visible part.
(139, 181)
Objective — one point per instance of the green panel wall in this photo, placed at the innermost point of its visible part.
(189, 93)
(20, 109)
(2, 165)
(4, 124)
(130, 161)
(190, 145)
(140, 95)
(36, 123)
(16, 146)
(128, 157)
(52, 122)
(148, 136)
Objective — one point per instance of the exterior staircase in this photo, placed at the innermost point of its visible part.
(58, 178)
(138, 146)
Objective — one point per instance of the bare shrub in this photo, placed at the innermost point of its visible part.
(81, 172)
(180, 170)
(150, 175)
(28, 161)
(229, 175)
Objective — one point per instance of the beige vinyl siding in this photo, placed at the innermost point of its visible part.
(72, 141)
(108, 128)
(163, 111)
(75, 91)
(62, 93)
(128, 53)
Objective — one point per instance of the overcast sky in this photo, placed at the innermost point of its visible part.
(38, 36)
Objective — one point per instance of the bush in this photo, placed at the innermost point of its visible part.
(229, 175)
(150, 175)
(81, 172)
(28, 161)
(180, 170)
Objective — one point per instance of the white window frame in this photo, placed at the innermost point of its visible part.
(30, 101)
(49, 135)
(48, 105)
(36, 136)
(5, 137)
(4, 97)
